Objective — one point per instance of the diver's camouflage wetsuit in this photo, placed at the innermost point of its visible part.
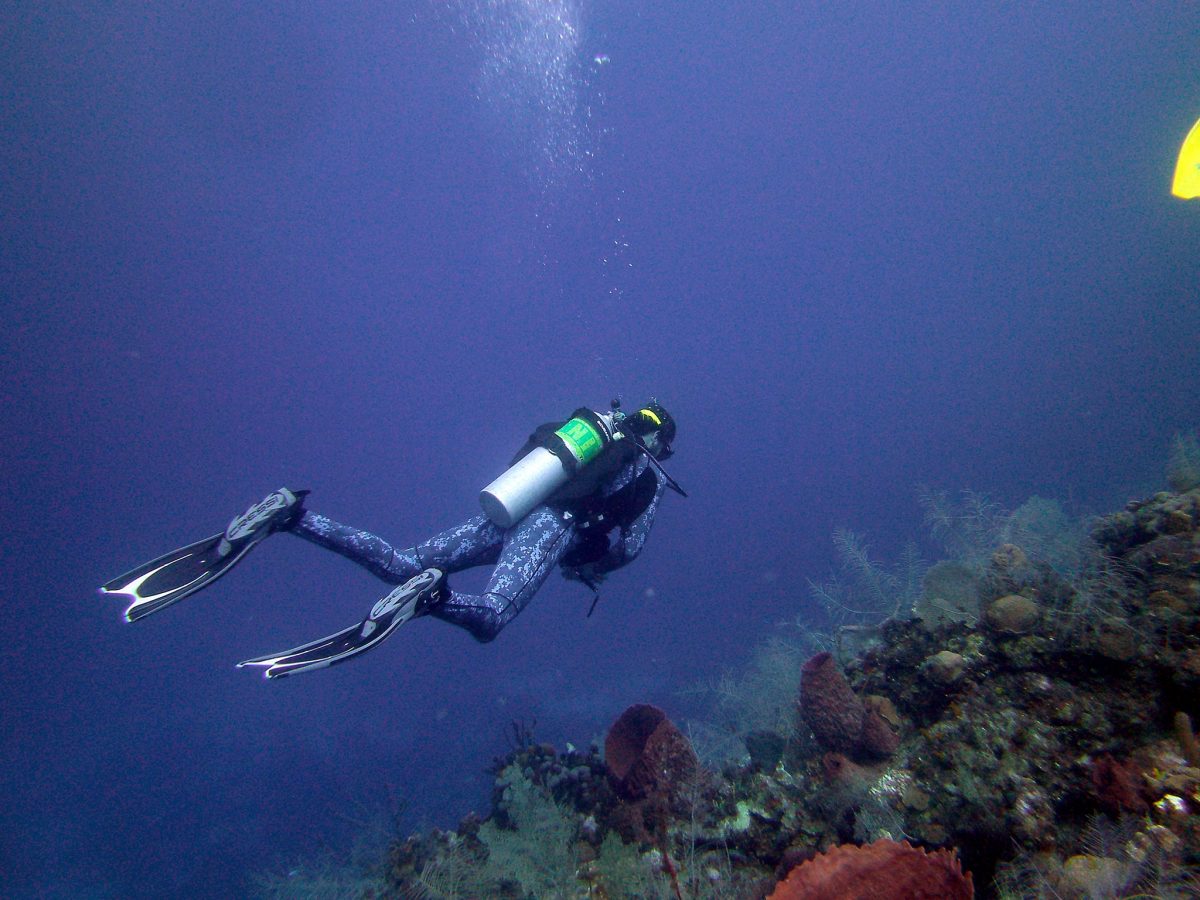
(571, 531)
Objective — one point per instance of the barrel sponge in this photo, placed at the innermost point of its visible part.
(646, 754)
(884, 870)
(828, 705)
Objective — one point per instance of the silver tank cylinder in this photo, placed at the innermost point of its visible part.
(529, 481)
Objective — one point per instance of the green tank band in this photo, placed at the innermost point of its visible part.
(583, 440)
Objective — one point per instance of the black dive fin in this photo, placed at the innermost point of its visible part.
(159, 583)
(411, 599)
(168, 579)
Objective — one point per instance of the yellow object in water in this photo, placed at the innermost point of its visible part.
(1187, 170)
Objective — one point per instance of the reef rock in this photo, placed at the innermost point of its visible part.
(944, 668)
(1013, 614)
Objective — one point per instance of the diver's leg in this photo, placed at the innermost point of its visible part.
(531, 550)
(475, 542)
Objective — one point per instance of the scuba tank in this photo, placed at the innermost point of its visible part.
(550, 465)
(546, 468)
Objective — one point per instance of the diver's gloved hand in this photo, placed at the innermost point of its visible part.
(585, 574)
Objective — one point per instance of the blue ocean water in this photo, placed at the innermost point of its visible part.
(364, 248)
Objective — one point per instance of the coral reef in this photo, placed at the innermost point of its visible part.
(1042, 732)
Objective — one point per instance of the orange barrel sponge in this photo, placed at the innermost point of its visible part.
(646, 754)
(883, 870)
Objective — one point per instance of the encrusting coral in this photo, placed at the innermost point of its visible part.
(1005, 737)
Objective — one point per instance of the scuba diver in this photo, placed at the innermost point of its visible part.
(569, 487)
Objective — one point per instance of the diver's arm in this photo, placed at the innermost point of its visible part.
(633, 536)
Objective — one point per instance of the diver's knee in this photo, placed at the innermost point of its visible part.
(488, 629)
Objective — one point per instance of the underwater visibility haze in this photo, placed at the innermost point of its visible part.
(870, 256)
